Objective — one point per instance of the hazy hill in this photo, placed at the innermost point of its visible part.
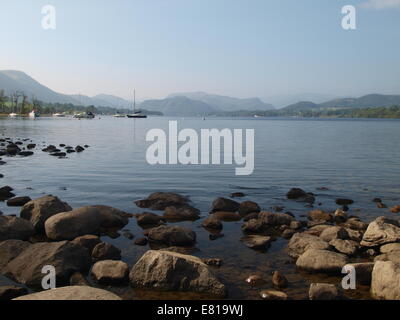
(178, 106)
(302, 105)
(225, 103)
(283, 100)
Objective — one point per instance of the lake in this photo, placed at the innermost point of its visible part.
(358, 159)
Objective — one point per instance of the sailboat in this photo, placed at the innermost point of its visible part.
(136, 114)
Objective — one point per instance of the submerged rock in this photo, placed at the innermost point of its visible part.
(344, 201)
(257, 242)
(181, 213)
(248, 207)
(320, 215)
(162, 200)
(395, 209)
(149, 219)
(223, 204)
(323, 291)
(170, 271)
(227, 216)
(273, 295)
(279, 280)
(212, 223)
(172, 236)
(255, 280)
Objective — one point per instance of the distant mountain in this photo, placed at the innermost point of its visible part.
(178, 106)
(302, 105)
(224, 103)
(283, 100)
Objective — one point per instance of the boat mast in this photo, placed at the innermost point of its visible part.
(134, 100)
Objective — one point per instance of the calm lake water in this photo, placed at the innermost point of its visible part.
(353, 158)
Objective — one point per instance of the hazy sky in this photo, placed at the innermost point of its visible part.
(241, 48)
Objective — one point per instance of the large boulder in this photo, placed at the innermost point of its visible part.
(223, 204)
(109, 272)
(39, 210)
(170, 271)
(64, 256)
(162, 200)
(15, 228)
(181, 213)
(86, 220)
(385, 283)
(333, 233)
(316, 260)
(381, 231)
(72, 293)
(301, 242)
(9, 250)
(248, 207)
(172, 236)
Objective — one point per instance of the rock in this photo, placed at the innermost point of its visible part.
(223, 204)
(109, 272)
(215, 262)
(170, 271)
(77, 279)
(296, 193)
(162, 200)
(79, 149)
(318, 229)
(320, 215)
(128, 235)
(18, 201)
(275, 219)
(288, 233)
(395, 209)
(256, 242)
(64, 256)
(15, 228)
(347, 247)
(72, 293)
(381, 231)
(273, 295)
(332, 233)
(255, 280)
(39, 210)
(149, 219)
(279, 280)
(247, 207)
(83, 221)
(255, 226)
(212, 223)
(393, 256)
(181, 250)
(314, 223)
(381, 205)
(385, 281)
(301, 242)
(227, 216)
(105, 251)
(323, 291)
(363, 272)
(1, 175)
(9, 250)
(390, 247)
(87, 241)
(50, 148)
(237, 195)
(31, 146)
(250, 216)
(5, 193)
(11, 292)
(344, 202)
(356, 224)
(172, 236)
(181, 213)
(141, 241)
(25, 153)
(340, 216)
(355, 235)
(296, 225)
(316, 260)
(58, 154)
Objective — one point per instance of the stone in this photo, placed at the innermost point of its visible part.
(78, 279)
(288, 233)
(83, 221)
(11, 292)
(333, 233)
(149, 219)
(390, 247)
(39, 210)
(296, 193)
(344, 201)
(18, 201)
(385, 284)
(170, 271)
(172, 236)
(296, 225)
(381, 231)
(181, 213)
(109, 272)
(323, 291)
(87, 241)
(347, 247)
(301, 242)
(105, 251)
(141, 241)
(212, 223)
(73, 293)
(247, 207)
(15, 228)
(9, 250)
(275, 219)
(257, 242)
(255, 280)
(227, 216)
(223, 204)
(321, 215)
(273, 295)
(237, 195)
(5, 193)
(279, 280)
(162, 200)
(390, 256)
(316, 260)
(395, 209)
(215, 262)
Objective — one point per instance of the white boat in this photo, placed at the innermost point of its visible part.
(59, 115)
(13, 115)
(136, 114)
(34, 114)
(119, 115)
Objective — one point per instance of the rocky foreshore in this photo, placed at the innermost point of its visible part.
(48, 231)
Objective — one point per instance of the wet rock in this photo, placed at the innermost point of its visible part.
(390, 247)
(11, 292)
(227, 216)
(363, 272)
(172, 236)
(58, 154)
(149, 219)
(279, 280)
(87, 241)
(223, 204)
(105, 251)
(78, 279)
(288, 233)
(395, 209)
(181, 213)
(296, 193)
(385, 281)
(313, 223)
(72, 293)
(344, 201)
(356, 224)
(393, 256)
(332, 233)
(250, 216)
(70, 151)
(320, 215)
(31, 146)
(161, 200)
(318, 229)
(25, 153)
(273, 295)
(237, 195)
(50, 148)
(15, 228)
(64, 256)
(381, 205)
(355, 235)
(79, 149)
(169, 271)
(141, 241)
(278, 208)
(381, 231)
(109, 272)
(323, 291)
(301, 242)
(5, 193)
(215, 236)
(295, 225)
(255, 280)
(247, 207)
(9, 250)
(275, 219)
(212, 223)
(340, 216)
(18, 201)
(83, 221)
(214, 262)
(1, 175)
(256, 242)
(316, 260)
(128, 235)
(347, 247)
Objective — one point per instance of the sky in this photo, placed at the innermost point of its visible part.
(241, 48)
